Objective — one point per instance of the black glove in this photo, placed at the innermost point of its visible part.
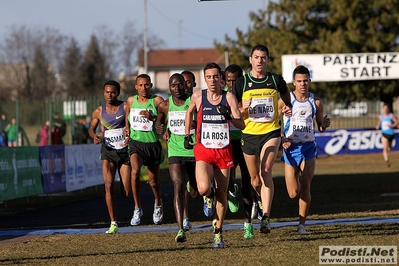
(224, 110)
(187, 142)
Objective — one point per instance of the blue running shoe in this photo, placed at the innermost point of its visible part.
(218, 240)
(209, 206)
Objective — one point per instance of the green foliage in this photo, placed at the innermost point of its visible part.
(70, 69)
(94, 69)
(321, 26)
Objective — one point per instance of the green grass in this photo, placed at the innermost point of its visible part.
(344, 187)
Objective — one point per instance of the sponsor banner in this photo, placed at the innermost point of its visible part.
(20, 174)
(343, 67)
(82, 166)
(358, 255)
(52, 160)
(352, 141)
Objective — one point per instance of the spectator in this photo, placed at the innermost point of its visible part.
(58, 129)
(81, 134)
(44, 134)
(12, 133)
(3, 135)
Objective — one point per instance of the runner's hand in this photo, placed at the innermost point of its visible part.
(188, 142)
(224, 110)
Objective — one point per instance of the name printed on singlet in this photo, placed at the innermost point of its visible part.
(114, 138)
(302, 129)
(215, 136)
(139, 122)
(261, 110)
(177, 122)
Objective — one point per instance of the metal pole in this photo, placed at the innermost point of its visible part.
(19, 138)
(226, 58)
(145, 50)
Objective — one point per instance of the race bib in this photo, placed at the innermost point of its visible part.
(176, 122)
(302, 129)
(261, 110)
(114, 138)
(386, 125)
(139, 122)
(215, 136)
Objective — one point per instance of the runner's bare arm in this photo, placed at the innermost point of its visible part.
(323, 122)
(236, 115)
(95, 120)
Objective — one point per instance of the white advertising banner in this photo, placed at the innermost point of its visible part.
(343, 67)
(82, 166)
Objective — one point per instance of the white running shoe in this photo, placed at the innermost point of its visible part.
(302, 230)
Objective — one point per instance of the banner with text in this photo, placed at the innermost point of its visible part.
(52, 160)
(83, 166)
(352, 141)
(343, 67)
(20, 174)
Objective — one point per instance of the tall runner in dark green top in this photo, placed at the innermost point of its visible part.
(144, 146)
(181, 161)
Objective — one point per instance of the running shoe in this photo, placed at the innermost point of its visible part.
(302, 230)
(209, 206)
(158, 214)
(186, 224)
(260, 210)
(248, 231)
(233, 200)
(254, 211)
(388, 163)
(136, 219)
(218, 240)
(181, 236)
(265, 225)
(113, 229)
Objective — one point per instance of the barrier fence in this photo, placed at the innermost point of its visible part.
(28, 171)
(31, 115)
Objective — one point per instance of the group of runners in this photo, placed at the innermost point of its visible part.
(235, 121)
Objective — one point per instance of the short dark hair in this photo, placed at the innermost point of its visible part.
(260, 47)
(233, 68)
(176, 75)
(300, 70)
(143, 76)
(113, 83)
(188, 73)
(212, 65)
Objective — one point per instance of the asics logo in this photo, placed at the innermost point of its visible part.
(118, 116)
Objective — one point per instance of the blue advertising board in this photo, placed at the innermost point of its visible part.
(52, 160)
(352, 141)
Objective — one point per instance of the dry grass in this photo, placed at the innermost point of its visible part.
(344, 187)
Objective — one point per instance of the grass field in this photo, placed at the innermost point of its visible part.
(344, 187)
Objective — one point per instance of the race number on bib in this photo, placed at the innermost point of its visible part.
(215, 136)
(261, 110)
(139, 122)
(114, 138)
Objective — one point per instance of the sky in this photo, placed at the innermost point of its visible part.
(179, 23)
